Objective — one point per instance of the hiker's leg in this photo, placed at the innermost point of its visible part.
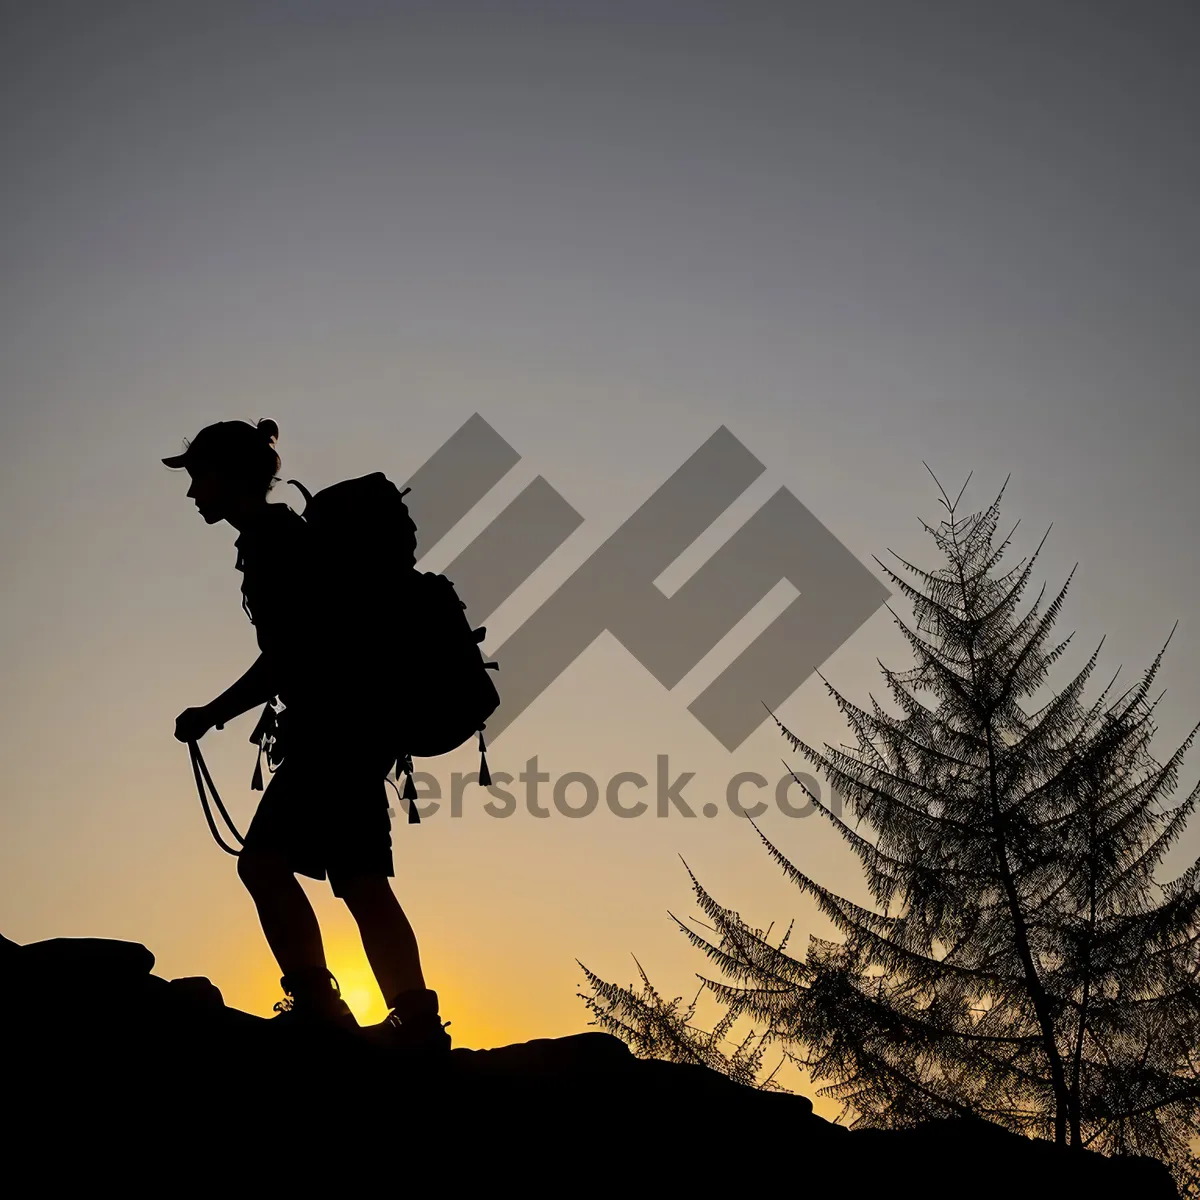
(387, 936)
(284, 911)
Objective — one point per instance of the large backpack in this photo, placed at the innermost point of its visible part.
(363, 547)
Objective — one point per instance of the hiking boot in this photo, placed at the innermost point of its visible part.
(312, 999)
(414, 1028)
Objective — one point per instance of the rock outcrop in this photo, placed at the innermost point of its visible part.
(118, 1078)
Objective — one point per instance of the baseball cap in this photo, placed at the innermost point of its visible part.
(226, 444)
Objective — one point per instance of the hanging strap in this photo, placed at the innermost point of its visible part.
(485, 776)
(265, 735)
(200, 771)
(405, 764)
(406, 801)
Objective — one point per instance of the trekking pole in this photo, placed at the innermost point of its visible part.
(202, 776)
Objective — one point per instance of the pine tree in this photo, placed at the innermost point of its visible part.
(1021, 962)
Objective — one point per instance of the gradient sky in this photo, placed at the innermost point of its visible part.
(860, 235)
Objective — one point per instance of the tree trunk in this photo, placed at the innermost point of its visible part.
(1037, 994)
(1077, 1061)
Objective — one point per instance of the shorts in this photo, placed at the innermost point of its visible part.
(326, 811)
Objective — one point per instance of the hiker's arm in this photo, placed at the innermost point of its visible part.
(253, 690)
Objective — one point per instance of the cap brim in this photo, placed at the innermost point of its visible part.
(179, 460)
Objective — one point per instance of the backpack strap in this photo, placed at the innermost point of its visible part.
(302, 490)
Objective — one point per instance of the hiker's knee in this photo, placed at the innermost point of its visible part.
(365, 894)
(261, 872)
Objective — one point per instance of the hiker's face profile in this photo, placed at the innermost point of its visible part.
(215, 495)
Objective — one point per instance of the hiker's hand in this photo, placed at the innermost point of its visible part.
(193, 723)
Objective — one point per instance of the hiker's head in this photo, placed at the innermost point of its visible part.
(232, 465)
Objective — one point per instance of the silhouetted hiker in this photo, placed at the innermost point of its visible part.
(325, 811)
